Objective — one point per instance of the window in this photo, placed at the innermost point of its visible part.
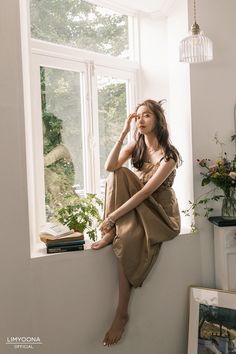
(81, 24)
(61, 104)
(112, 112)
(80, 97)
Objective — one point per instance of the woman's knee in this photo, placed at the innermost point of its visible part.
(125, 175)
(120, 171)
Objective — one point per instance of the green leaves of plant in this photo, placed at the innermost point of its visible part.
(205, 181)
(81, 214)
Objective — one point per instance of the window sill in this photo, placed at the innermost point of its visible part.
(39, 249)
(186, 230)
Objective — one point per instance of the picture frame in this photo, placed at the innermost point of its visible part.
(212, 321)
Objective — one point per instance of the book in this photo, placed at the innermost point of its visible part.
(76, 236)
(58, 243)
(65, 248)
(54, 231)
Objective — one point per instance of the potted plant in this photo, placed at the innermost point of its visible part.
(81, 214)
(221, 174)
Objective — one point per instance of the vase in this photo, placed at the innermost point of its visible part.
(228, 210)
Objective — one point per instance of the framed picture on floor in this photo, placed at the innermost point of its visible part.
(212, 321)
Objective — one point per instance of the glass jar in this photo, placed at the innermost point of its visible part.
(228, 210)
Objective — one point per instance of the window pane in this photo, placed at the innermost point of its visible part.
(112, 112)
(62, 135)
(78, 23)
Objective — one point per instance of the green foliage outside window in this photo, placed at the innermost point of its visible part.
(78, 23)
(112, 113)
(58, 166)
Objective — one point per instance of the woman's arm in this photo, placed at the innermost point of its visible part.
(118, 157)
(163, 171)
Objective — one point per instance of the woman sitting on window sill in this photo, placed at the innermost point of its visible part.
(141, 209)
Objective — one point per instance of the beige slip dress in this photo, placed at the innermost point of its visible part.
(140, 233)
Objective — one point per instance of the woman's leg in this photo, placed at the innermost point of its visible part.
(120, 186)
(121, 316)
(105, 240)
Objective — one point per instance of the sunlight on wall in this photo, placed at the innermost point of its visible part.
(180, 105)
(164, 77)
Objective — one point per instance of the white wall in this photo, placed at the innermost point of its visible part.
(68, 300)
(179, 104)
(75, 297)
(153, 58)
(14, 250)
(212, 99)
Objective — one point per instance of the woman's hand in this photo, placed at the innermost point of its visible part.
(106, 226)
(128, 121)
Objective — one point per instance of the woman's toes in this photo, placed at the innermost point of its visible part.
(105, 339)
(106, 240)
(99, 244)
(114, 341)
(94, 245)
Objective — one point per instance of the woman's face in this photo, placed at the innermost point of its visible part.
(146, 120)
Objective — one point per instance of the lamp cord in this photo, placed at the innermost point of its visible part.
(194, 11)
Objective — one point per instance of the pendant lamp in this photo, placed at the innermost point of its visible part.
(195, 48)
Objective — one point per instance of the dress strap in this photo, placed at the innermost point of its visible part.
(164, 157)
(161, 159)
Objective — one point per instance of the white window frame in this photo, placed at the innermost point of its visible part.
(67, 58)
(38, 61)
(131, 94)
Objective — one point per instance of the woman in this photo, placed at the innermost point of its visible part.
(141, 210)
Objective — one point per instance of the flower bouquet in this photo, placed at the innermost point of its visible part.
(222, 174)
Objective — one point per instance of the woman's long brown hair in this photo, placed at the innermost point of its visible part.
(162, 135)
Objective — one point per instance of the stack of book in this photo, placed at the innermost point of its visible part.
(59, 238)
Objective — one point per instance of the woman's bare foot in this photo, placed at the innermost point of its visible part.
(106, 240)
(117, 328)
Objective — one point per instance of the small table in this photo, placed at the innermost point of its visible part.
(225, 252)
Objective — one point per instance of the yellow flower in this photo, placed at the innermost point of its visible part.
(219, 162)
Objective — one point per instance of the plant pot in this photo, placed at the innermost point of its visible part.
(228, 210)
